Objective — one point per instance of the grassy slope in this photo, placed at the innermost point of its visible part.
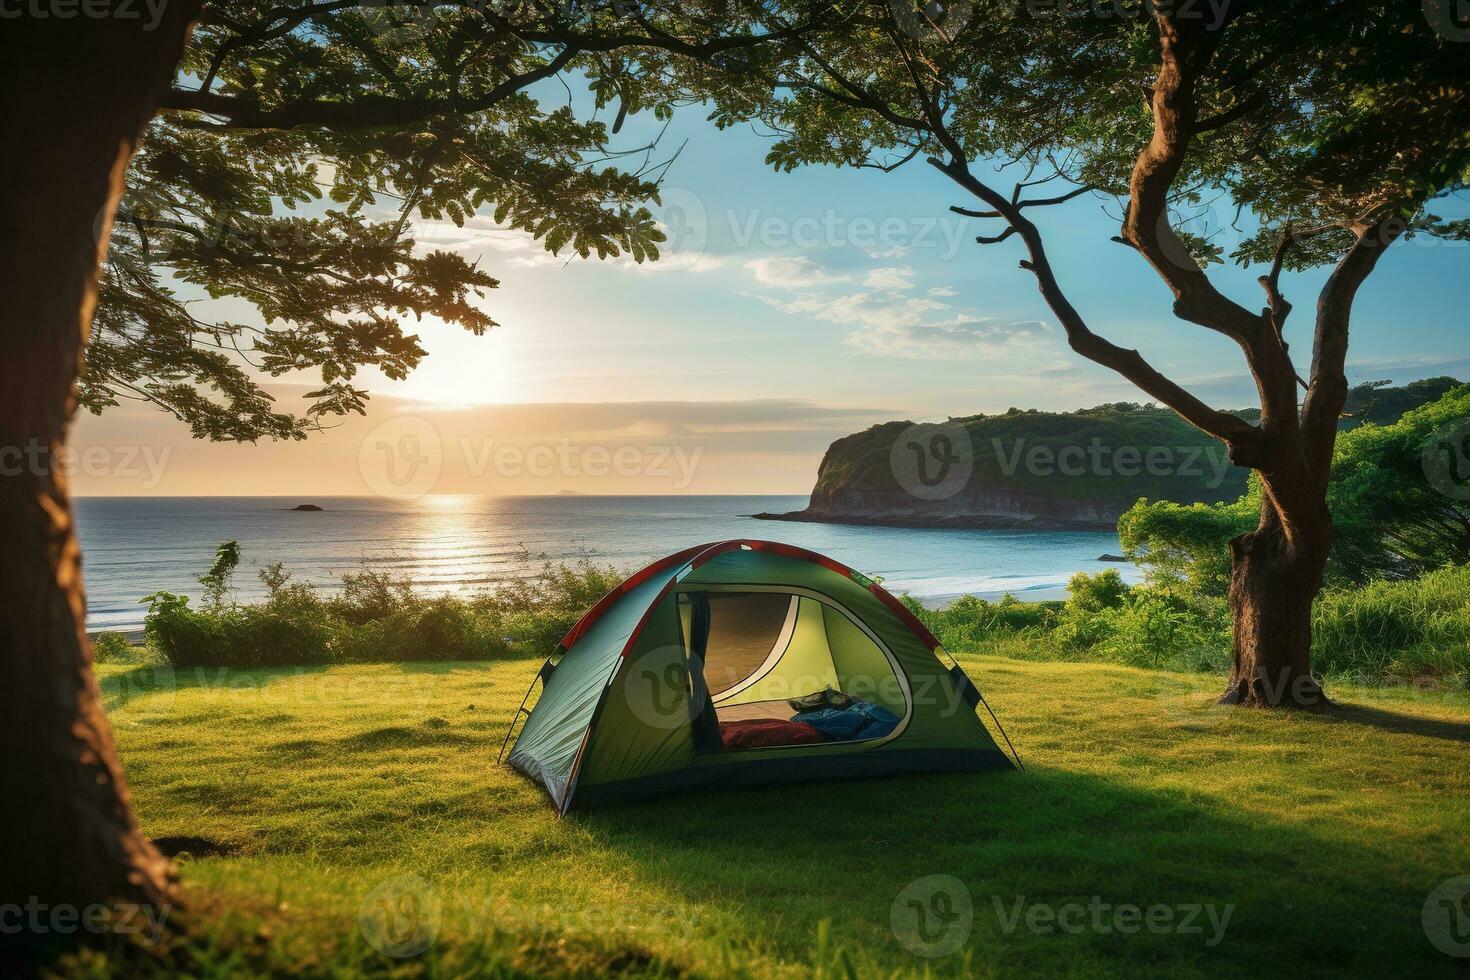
(1325, 834)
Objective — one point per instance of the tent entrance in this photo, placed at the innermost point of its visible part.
(750, 650)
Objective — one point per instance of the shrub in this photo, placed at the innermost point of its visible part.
(1150, 629)
(1094, 593)
(969, 621)
(110, 647)
(374, 617)
(368, 596)
(1404, 628)
(184, 636)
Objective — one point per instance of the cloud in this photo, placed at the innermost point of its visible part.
(532, 260)
(792, 272)
(891, 324)
(478, 234)
(520, 249)
(673, 262)
(874, 310)
(958, 336)
(896, 252)
(940, 291)
(895, 277)
(1059, 370)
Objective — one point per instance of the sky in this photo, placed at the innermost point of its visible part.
(787, 310)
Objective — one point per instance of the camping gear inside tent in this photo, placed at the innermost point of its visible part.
(739, 663)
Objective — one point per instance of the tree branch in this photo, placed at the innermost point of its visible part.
(366, 111)
(1241, 438)
(1236, 112)
(1328, 389)
(371, 110)
(1185, 47)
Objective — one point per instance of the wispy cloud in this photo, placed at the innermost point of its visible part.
(897, 278)
(958, 336)
(792, 272)
(673, 262)
(480, 235)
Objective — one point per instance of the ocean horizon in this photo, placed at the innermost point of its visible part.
(134, 546)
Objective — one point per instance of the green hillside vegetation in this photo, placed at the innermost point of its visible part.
(1415, 631)
(1000, 445)
(1382, 404)
(1390, 521)
(1116, 441)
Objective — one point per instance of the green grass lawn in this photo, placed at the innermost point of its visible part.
(327, 791)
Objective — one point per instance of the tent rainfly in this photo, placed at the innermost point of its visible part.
(739, 663)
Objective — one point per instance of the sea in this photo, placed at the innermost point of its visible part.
(134, 546)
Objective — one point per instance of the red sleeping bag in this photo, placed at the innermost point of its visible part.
(766, 731)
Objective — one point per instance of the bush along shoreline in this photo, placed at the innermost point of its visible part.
(1415, 630)
(372, 618)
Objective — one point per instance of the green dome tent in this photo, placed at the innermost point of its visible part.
(682, 677)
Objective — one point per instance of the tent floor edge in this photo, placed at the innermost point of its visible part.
(754, 773)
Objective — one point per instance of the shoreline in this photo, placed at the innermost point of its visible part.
(975, 523)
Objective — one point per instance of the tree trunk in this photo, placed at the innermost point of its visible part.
(75, 93)
(1274, 577)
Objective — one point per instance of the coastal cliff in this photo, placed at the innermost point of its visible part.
(1044, 470)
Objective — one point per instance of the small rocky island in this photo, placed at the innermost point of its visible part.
(307, 507)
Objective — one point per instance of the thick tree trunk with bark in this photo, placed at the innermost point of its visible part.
(1277, 569)
(1273, 582)
(74, 95)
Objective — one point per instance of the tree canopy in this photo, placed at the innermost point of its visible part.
(299, 143)
(1329, 131)
(1326, 133)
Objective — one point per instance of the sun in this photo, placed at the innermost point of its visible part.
(458, 368)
